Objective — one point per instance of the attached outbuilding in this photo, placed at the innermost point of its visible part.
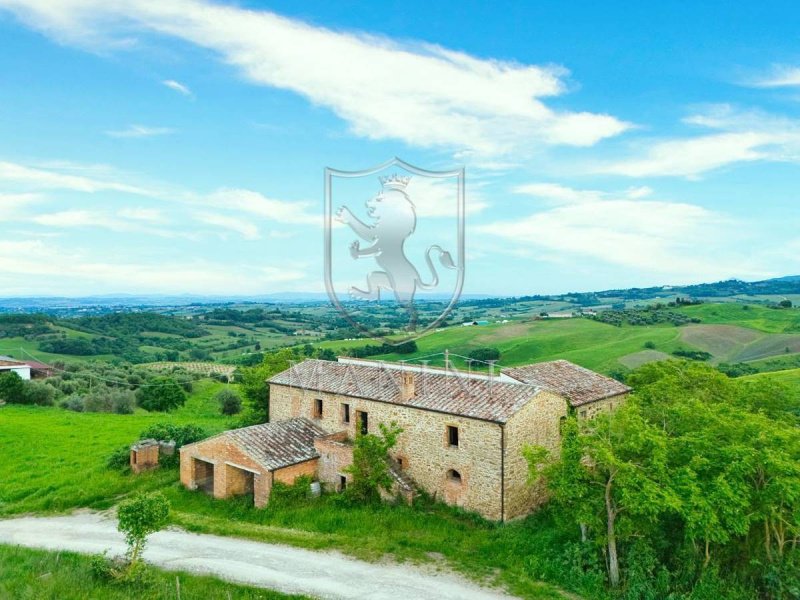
(250, 460)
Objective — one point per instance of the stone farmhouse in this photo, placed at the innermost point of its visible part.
(462, 440)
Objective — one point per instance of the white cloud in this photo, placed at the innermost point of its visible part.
(81, 219)
(227, 199)
(140, 131)
(177, 86)
(562, 194)
(648, 235)
(438, 198)
(46, 267)
(737, 136)
(779, 76)
(421, 94)
(151, 215)
(255, 203)
(50, 178)
(247, 230)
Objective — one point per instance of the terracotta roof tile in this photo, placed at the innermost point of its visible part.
(579, 385)
(279, 444)
(436, 390)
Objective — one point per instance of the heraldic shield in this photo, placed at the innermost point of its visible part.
(394, 247)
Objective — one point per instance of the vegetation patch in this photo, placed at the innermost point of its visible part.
(35, 574)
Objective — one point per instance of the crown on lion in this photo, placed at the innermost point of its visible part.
(395, 181)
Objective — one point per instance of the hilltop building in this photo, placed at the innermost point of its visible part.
(462, 440)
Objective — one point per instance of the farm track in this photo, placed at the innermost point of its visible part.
(283, 568)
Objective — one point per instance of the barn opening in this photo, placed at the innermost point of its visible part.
(240, 481)
(203, 475)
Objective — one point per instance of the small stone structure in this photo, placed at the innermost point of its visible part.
(144, 455)
(250, 460)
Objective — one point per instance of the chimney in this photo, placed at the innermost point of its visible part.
(407, 390)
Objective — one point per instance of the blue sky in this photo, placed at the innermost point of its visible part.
(178, 146)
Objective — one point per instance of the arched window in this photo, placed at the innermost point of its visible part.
(454, 476)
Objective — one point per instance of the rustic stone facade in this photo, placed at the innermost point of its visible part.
(462, 436)
(485, 471)
(422, 448)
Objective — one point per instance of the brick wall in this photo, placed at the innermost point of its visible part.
(288, 474)
(228, 479)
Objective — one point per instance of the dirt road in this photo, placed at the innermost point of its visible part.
(283, 568)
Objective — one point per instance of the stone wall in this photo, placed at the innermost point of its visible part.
(335, 453)
(422, 448)
(537, 424)
(589, 411)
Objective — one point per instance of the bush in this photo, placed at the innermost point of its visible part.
(12, 388)
(485, 354)
(180, 434)
(73, 403)
(230, 403)
(38, 393)
(162, 394)
(650, 345)
(107, 400)
(119, 459)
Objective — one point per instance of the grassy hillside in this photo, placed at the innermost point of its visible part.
(54, 459)
(765, 319)
(589, 343)
(789, 377)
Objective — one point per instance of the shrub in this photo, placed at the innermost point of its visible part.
(36, 392)
(288, 495)
(230, 403)
(370, 468)
(180, 434)
(485, 354)
(121, 402)
(650, 345)
(138, 517)
(162, 394)
(12, 388)
(119, 459)
(73, 403)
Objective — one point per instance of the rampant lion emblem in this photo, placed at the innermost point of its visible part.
(393, 221)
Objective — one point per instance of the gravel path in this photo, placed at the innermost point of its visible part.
(283, 568)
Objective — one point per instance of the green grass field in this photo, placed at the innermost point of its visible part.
(35, 575)
(769, 320)
(54, 459)
(789, 377)
(588, 343)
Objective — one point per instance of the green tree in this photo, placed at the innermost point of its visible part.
(611, 477)
(230, 403)
(370, 468)
(485, 354)
(138, 517)
(161, 394)
(12, 388)
(254, 385)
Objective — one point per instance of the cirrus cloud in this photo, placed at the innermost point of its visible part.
(421, 94)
